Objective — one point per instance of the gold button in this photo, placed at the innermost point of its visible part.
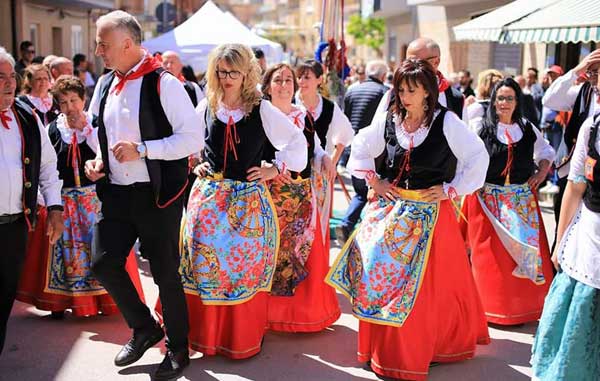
(417, 231)
(533, 204)
(27, 211)
(26, 160)
(27, 184)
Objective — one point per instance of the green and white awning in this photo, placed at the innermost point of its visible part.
(546, 21)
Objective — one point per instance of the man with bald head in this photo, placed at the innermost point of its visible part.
(171, 62)
(147, 127)
(61, 66)
(427, 49)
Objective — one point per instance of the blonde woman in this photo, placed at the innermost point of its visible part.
(485, 83)
(231, 236)
(36, 89)
(300, 300)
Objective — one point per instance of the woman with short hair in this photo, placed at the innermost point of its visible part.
(36, 92)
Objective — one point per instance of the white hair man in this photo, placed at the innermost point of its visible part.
(172, 63)
(147, 127)
(27, 164)
(427, 49)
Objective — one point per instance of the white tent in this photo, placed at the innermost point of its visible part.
(206, 29)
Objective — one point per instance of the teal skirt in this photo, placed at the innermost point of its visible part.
(567, 343)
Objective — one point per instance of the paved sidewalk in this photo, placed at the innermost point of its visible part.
(76, 349)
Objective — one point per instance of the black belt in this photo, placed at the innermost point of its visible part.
(10, 218)
(145, 185)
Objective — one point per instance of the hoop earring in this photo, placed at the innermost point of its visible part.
(425, 105)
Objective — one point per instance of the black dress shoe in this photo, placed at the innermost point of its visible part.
(172, 366)
(57, 315)
(141, 341)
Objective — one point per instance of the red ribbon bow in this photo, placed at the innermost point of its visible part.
(5, 119)
(509, 161)
(73, 154)
(231, 139)
(150, 64)
(405, 166)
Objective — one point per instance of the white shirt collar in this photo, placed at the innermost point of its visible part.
(66, 133)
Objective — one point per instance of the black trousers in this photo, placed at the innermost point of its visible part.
(129, 213)
(13, 239)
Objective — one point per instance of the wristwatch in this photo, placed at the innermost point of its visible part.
(51, 208)
(141, 148)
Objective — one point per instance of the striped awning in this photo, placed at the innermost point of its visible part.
(543, 21)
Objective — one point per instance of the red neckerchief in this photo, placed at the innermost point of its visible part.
(150, 64)
(181, 78)
(5, 119)
(509, 160)
(443, 83)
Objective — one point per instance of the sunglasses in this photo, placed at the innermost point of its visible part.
(502, 98)
(30, 51)
(234, 74)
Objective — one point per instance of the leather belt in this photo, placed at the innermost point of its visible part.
(10, 218)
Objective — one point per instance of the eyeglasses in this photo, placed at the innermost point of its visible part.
(30, 51)
(281, 82)
(502, 98)
(592, 73)
(234, 74)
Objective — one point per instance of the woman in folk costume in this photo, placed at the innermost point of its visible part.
(231, 236)
(567, 343)
(505, 231)
(405, 268)
(299, 293)
(60, 279)
(485, 83)
(332, 127)
(36, 93)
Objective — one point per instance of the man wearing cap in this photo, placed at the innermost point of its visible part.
(27, 163)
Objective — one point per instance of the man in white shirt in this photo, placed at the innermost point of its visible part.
(147, 127)
(27, 163)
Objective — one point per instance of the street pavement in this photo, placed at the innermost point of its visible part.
(82, 349)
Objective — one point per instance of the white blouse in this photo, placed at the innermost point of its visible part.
(280, 130)
(42, 104)
(89, 134)
(468, 148)
(340, 130)
(298, 115)
(542, 150)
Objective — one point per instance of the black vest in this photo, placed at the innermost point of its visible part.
(522, 164)
(592, 193)
(189, 88)
(454, 101)
(47, 117)
(168, 177)
(321, 125)
(431, 163)
(581, 108)
(251, 149)
(31, 157)
(65, 171)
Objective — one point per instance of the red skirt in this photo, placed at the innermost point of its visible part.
(446, 322)
(234, 331)
(314, 305)
(34, 275)
(506, 299)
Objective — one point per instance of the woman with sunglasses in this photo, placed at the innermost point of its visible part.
(567, 343)
(36, 93)
(405, 268)
(300, 300)
(509, 248)
(231, 235)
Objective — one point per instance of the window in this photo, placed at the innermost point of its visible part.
(34, 34)
(57, 42)
(76, 40)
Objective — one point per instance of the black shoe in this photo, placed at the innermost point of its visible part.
(141, 341)
(57, 315)
(172, 365)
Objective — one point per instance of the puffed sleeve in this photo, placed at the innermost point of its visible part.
(285, 137)
(542, 150)
(382, 107)
(470, 152)
(562, 93)
(340, 130)
(577, 170)
(367, 145)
